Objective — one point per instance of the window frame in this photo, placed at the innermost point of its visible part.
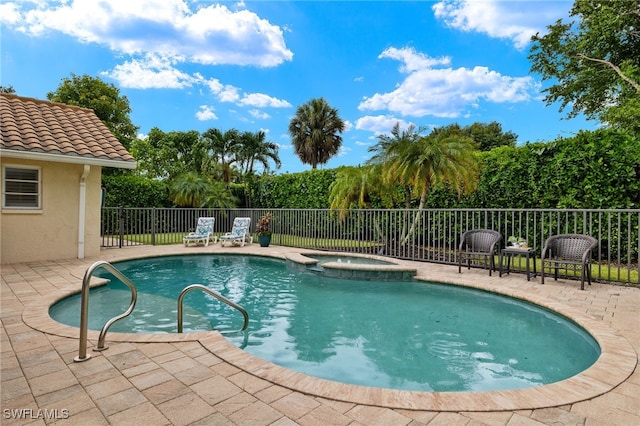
(38, 194)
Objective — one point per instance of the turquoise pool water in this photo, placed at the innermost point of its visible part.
(402, 335)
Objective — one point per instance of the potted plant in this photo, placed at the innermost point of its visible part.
(264, 233)
(517, 242)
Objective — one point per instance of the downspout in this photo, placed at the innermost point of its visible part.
(82, 210)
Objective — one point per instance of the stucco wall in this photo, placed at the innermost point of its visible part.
(52, 233)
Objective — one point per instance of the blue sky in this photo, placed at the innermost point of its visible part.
(194, 65)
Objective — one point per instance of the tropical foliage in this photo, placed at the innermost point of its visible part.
(168, 155)
(315, 132)
(263, 227)
(444, 158)
(194, 190)
(255, 149)
(594, 61)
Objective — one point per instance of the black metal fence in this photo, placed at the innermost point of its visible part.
(430, 235)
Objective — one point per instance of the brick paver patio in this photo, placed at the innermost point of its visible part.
(197, 379)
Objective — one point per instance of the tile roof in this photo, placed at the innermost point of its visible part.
(32, 126)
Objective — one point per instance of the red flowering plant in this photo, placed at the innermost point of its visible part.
(263, 225)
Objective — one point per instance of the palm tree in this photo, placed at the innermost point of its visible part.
(256, 149)
(222, 147)
(386, 154)
(445, 157)
(314, 132)
(352, 188)
(189, 190)
(387, 150)
(219, 196)
(193, 190)
(439, 159)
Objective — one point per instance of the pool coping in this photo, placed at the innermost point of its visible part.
(615, 364)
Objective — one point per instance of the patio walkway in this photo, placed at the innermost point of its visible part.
(197, 379)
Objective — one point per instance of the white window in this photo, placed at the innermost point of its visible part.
(21, 187)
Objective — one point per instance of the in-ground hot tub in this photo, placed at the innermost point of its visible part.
(351, 266)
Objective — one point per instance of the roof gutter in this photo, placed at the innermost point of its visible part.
(72, 159)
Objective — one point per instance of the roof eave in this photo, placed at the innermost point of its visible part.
(72, 159)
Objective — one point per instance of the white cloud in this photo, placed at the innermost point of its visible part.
(9, 14)
(412, 60)
(151, 72)
(444, 92)
(261, 100)
(259, 114)
(154, 71)
(516, 21)
(344, 151)
(380, 124)
(211, 34)
(206, 113)
(228, 93)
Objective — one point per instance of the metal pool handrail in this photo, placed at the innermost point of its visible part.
(84, 309)
(214, 294)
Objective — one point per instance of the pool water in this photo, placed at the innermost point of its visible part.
(409, 335)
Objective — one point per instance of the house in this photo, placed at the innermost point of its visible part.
(52, 157)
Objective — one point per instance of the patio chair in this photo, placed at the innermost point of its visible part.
(239, 232)
(478, 243)
(203, 233)
(569, 251)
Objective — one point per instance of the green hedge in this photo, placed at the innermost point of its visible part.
(135, 191)
(592, 170)
(305, 190)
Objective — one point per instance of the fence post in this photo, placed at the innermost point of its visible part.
(153, 226)
(121, 225)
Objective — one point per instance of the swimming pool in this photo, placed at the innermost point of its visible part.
(400, 335)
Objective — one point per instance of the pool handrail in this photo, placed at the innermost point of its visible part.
(218, 296)
(84, 309)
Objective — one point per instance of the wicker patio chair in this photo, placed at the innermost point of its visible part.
(569, 251)
(478, 243)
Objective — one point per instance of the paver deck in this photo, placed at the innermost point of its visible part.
(200, 379)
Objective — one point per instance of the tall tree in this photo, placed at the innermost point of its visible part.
(256, 149)
(7, 89)
(315, 132)
(595, 60)
(445, 157)
(223, 147)
(167, 155)
(387, 151)
(489, 136)
(104, 99)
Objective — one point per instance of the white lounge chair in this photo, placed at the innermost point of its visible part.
(203, 233)
(239, 232)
